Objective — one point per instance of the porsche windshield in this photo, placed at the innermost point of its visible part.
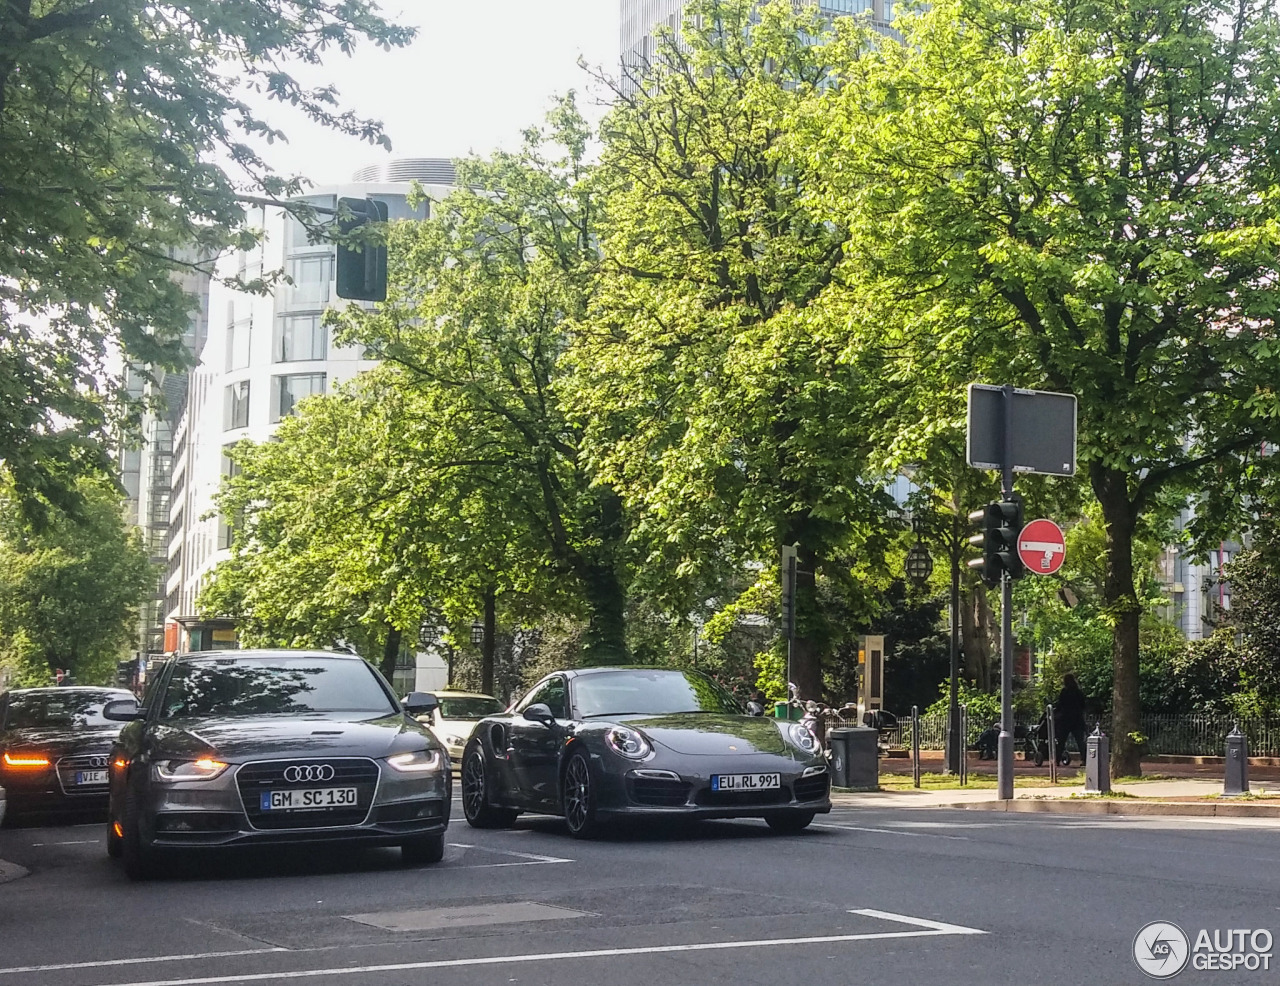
(274, 686)
(621, 693)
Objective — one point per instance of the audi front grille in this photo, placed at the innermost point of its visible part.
(70, 768)
(253, 779)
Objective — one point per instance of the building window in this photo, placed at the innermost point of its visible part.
(238, 334)
(301, 337)
(235, 412)
(291, 389)
(229, 465)
(311, 278)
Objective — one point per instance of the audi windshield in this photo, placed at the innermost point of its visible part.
(275, 686)
(63, 709)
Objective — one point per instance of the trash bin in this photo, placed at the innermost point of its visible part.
(837, 740)
(861, 769)
(784, 710)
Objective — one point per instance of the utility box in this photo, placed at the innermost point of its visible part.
(870, 675)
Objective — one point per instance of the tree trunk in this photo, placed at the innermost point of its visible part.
(975, 637)
(490, 641)
(1112, 490)
(390, 653)
(606, 637)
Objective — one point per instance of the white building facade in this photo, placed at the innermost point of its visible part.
(264, 354)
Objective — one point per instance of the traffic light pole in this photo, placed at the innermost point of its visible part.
(1004, 748)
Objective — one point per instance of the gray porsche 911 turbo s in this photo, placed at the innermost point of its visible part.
(254, 748)
(602, 744)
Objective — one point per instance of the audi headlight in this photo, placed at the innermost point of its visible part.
(204, 769)
(799, 734)
(627, 742)
(416, 762)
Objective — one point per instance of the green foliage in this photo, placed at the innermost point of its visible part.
(1019, 213)
(482, 303)
(111, 116)
(710, 404)
(70, 589)
(983, 707)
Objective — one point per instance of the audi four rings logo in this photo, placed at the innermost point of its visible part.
(309, 772)
(97, 761)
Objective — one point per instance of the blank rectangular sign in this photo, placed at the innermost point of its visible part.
(1044, 430)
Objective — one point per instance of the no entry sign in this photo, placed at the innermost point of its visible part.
(1042, 547)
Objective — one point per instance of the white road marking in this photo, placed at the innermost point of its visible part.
(78, 842)
(927, 929)
(509, 852)
(911, 835)
(139, 961)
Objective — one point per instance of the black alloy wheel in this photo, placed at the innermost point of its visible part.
(115, 844)
(578, 798)
(423, 850)
(790, 823)
(479, 812)
(139, 861)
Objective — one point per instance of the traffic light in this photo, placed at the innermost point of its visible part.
(362, 272)
(1001, 524)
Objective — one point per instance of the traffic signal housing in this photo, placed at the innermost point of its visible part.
(1001, 523)
(361, 267)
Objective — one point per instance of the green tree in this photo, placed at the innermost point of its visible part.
(727, 424)
(482, 304)
(112, 115)
(1075, 196)
(70, 590)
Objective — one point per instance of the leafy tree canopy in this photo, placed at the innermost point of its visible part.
(70, 590)
(1076, 196)
(112, 116)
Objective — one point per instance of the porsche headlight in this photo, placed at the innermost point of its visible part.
(203, 769)
(417, 762)
(799, 735)
(451, 739)
(627, 742)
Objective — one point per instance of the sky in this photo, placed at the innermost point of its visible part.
(479, 72)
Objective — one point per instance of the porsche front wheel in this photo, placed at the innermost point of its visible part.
(476, 795)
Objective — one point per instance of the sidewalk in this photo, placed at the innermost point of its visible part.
(1186, 796)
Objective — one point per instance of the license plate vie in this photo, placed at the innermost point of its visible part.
(307, 799)
(91, 777)
(745, 782)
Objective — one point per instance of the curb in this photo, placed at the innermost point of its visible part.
(1123, 806)
(11, 871)
(1208, 761)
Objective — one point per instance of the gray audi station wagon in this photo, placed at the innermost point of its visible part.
(273, 747)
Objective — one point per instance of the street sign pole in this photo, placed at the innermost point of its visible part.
(1004, 748)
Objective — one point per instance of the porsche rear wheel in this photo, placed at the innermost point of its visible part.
(578, 797)
(479, 812)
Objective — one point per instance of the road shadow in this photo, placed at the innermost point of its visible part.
(668, 830)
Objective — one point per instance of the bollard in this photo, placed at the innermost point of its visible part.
(915, 744)
(1097, 762)
(1236, 780)
(1053, 745)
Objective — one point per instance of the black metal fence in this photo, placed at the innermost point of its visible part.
(1188, 735)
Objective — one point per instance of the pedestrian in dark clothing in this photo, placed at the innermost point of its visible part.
(1068, 714)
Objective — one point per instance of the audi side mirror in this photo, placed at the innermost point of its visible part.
(420, 703)
(121, 710)
(539, 713)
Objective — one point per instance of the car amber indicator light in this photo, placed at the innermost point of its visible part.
(24, 760)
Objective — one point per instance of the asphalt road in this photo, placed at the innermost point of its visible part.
(865, 896)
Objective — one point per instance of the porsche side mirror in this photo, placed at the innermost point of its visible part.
(121, 710)
(539, 713)
(420, 703)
